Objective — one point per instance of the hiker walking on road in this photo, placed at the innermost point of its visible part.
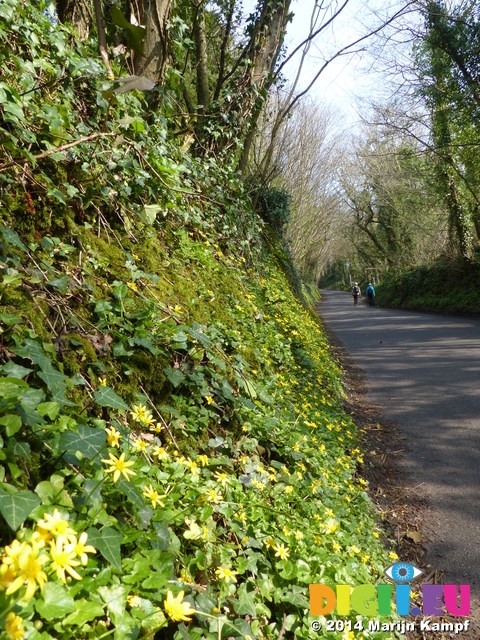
(370, 291)
(356, 293)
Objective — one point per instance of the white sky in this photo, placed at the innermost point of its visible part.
(351, 80)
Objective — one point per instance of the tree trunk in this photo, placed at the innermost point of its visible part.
(77, 13)
(199, 34)
(155, 44)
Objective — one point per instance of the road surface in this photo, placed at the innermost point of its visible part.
(423, 372)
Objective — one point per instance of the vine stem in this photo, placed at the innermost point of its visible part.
(63, 147)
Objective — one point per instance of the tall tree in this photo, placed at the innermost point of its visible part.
(152, 62)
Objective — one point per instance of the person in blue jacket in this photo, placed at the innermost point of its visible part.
(370, 291)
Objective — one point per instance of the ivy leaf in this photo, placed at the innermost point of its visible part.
(106, 397)
(246, 601)
(15, 370)
(16, 507)
(108, 542)
(56, 603)
(131, 492)
(12, 423)
(49, 409)
(89, 442)
(133, 33)
(175, 376)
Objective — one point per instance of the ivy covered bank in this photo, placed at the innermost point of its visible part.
(175, 461)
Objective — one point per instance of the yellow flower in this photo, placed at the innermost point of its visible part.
(14, 627)
(209, 400)
(28, 565)
(113, 437)
(63, 559)
(221, 478)
(203, 460)
(133, 601)
(141, 414)
(139, 445)
(102, 382)
(269, 543)
(213, 496)
(298, 535)
(177, 610)
(118, 466)
(282, 551)
(348, 635)
(224, 573)
(392, 555)
(330, 526)
(56, 526)
(8, 573)
(288, 489)
(160, 453)
(153, 496)
(81, 549)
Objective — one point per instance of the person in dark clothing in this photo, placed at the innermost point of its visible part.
(356, 293)
(370, 291)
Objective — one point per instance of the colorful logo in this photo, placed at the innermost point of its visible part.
(370, 600)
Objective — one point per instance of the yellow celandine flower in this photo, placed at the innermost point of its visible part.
(203, 460)
(245, 428)
(209, 400)
(269, 543)
(113, 437)
(177, 308)
(160, 453)
(177, 610)
(288, 489)
(119, 466)
(392, 555)
(282, 551)
(56, 526)
(298, 535)
(286, 530)
(152, 495)
(348, 635)
(221, 478)
(132, 285)
(226, 574)
(14, 627)
(140, 413)
(213, 496)
(102, 382)
(8, 574)
(157, 428)
(63, 560)
(81, 549)
(133, 600)
(336, 546)
(330, 526)
(140, 445)
(28, 567)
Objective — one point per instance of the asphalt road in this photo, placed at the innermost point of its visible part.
(423, 372)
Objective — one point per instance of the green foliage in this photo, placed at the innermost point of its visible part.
(274, 206)
(170, 414)
(444, 286)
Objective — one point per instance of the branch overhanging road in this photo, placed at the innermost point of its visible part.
(423, 372)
